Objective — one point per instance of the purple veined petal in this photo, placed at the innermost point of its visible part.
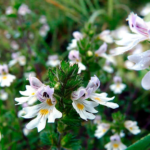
(143, 64)
(94, 83)
(77, 35)
(146, 81)
(74, 55)
(133, 42)
(3, 69)
(102, 49)
(49, 91)
(35, 82)
(81, 92)
(117, 79)
(40, 93)
(138, 25)
(115, 138)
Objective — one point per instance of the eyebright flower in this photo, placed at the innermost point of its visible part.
(9, 10)
(132, 126)
(101, 52)
(14, 45)
(43, 19)
(77, 36)
(97, 119)
(102, 98)
(118, 86)
(102, 128)
(30, 95)
(3, 95)
(23, 10)
(44, 30)
(83, 107)
(5, 78)
(43, 111)
(115, 143)
(106, 36)
(141, 30)
(53, 61)
(75, 58)
(17, 58)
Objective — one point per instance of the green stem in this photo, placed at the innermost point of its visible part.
(110, 8)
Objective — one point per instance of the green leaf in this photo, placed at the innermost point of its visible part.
(49, 138)
(142, 144)
(69, 142)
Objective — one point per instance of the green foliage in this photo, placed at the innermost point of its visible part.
(142, 144)
(49, 138)
(69, 142)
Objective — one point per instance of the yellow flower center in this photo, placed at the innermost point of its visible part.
(131, 128)
(96, 55)
(44, 111)
(115, 145)
(80, 106)
(104, 130)
(97, 98)
(33, 93)
(4, 77)
(49, 102)
(118, 85)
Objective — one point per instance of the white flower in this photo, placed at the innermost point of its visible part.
(14, 45)
(118, 86)
(23, 10)
(83, 107)
(17, 58)
(3, 95)
(97, 119)
(141, 30)
(75, 59)
(106, 37)
(30, 95)
(102, 128)
(77, 36)
(9, 10)
(102, 98)
(132, 126)
(43, 19)
(101, 52)
(146, 81)
(43, 111)
(5, 78)
(115, 144)
(44, 30)
(53, 61)
(128, 64)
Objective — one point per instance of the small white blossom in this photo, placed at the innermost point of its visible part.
(115, 143)
(5, 78)
(44, 30)
(102, 128)
(53, 61)
(43, 111)
(17, 58)
(14, 45)
(3, 95)
(23, 10)
(107, 67)
(43, 19)
(9, 10)
(83, 107)
(118, 86)
(146, 10)
(75, 59)
(132, 127)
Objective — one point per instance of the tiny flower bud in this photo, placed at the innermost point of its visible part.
(89, 53)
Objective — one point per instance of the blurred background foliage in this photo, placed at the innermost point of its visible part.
(64, 17)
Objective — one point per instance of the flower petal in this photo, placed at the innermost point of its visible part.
(146, 81)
